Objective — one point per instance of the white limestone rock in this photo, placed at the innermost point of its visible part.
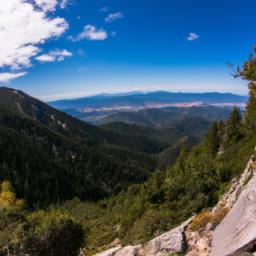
(237, 231)
(172, 241)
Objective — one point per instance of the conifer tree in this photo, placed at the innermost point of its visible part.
(233, 127)
(213, 140)
(248, 72)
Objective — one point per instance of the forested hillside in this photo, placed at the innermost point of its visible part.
(166, 117)
(49, 156)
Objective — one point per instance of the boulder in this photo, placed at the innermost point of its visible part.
(128, 251)
(172, 241)
(110, 252)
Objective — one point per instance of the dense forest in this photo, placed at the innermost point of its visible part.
(67, 185)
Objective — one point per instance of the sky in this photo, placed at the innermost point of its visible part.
(54, 49)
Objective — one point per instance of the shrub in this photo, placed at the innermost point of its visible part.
(8, 200)
(218, 216)
(53, 233)
(201, 220)
(205, 217)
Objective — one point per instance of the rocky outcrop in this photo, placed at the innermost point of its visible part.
(128, 251)
(237, 232)
(198, 242)
(171, 242)
(110, 252)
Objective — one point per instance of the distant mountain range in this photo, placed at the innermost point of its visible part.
(105, 108)
(141, 99)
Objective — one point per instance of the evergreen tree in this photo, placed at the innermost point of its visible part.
(248, 72)
(250, 115)
(233, 127)
(213, 138)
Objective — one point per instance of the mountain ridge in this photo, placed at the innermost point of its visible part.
(141, 98)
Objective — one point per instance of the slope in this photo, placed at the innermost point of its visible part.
(49, 156)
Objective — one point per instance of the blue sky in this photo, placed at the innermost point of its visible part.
(125, 45)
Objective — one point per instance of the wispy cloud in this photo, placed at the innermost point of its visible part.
(47, 5)
(51, 5)
(7, 76)
(91, 33)
(114, 16)
(192, 37)
(25, 27)
(56, 55)
(113, 33)
(104, 9)
(64, 4)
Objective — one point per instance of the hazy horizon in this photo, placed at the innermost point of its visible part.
(79, 95)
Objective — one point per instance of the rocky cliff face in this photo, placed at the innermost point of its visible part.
(237, 232)
(229, 228)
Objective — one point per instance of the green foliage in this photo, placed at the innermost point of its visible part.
(8, 201)
(233, 128)
(46, 165)
(38, 233)
(53, 233)
(248, 72)
(11, 216)
(167, 117)
(214, 137)
(205, 217)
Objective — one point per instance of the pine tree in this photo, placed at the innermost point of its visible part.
(248, 72)
(233, 127)
(213, 138)
(250, 115)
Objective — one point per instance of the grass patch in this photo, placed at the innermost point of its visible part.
(205, 217)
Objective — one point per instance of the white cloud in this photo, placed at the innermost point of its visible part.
(47, 5)
(63, 4)
(91, 33)
(114, 16)
(192, 37)
(7, 76)
(56, 55)
(46, 58)
(24, 27)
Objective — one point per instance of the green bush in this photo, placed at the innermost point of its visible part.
(53, 233)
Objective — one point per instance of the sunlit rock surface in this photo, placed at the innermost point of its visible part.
(237, 231)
